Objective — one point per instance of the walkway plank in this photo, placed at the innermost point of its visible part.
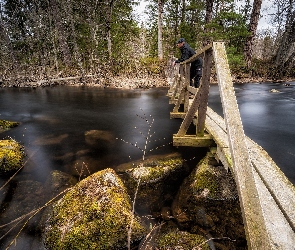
(266, 196)
(255, 229)
(276, 193)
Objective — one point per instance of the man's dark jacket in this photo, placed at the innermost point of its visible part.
(186, 53)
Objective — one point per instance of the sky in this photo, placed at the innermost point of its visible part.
(264, 22)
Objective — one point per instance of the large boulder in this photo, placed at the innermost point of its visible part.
(95, 214)
(155, 181)
(11, 156)
(207, 202)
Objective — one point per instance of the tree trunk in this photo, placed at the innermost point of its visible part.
(209, 11)
(160, 29)
(61, 32)
(208, 18)
(108, 24)
(5, 37)
(284, 60)
(248, 48)
(287, 41)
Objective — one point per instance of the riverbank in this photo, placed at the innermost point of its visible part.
(121, 82)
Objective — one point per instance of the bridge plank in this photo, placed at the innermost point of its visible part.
(267, 197)
(277, 183)
(274, 179)
(276, 193)
(255, 227)
(204, 92)
(193, 141)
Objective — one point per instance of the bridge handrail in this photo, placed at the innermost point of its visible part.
(254, 221)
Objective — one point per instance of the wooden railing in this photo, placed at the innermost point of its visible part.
(256, 221)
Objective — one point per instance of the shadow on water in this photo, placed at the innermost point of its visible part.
(68, 128)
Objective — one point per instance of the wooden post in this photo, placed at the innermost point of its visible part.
(204, 92)
(255, 226)
(177, 83)
(189, 115)
(186, 84)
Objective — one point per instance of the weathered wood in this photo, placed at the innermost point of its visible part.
(276, 193)
(204, 92)
(189, 115)
(177, 115)
(255, 227)
(175, 81)
(178, 85)
(179, 100)
(281, 189)
(193, 141)
(187, 84)
(198, 53)
(267, 197)
(192, 90)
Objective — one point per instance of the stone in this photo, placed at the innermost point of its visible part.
(95, 214)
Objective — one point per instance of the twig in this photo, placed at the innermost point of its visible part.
(36, 211)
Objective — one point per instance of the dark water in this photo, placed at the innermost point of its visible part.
(268, 118)
(68, 128)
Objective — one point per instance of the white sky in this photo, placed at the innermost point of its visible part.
(264, 22)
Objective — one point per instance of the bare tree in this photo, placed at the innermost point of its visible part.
(5, 39)
(160, 29)
(109, 11)
(61, 31)
(208, 17)
(248, 48)
(285, 54)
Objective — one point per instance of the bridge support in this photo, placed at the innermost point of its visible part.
(267, 206)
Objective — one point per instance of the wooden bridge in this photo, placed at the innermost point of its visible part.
(266, 196)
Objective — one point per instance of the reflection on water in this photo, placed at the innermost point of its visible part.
(67, 128)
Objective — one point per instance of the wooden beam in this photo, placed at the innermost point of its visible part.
(187, 84)
(255, 226)
(193, 141)
(189, 115)
(177, 115)
(192, 90)
(204, 92)
(198, 53)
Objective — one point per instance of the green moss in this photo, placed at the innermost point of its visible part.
(11, 155)
(95, 214)
(182, 240)
(155, 169)
(205, 179)
(4, 125)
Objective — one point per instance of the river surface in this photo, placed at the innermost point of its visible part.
(81, 128)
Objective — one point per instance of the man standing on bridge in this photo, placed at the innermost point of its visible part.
(196, 66)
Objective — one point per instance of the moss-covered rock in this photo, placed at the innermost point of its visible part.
(94, 214)
(168, 236)
(207, 202)
(176, 239)
(55, 184)
(159, 178)
(11, 156)
(4, 125)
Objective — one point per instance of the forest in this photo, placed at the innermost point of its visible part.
(45, 39)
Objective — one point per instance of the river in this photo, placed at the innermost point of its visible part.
(73, 128)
